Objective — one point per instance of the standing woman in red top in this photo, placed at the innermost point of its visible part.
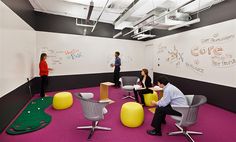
(43, 72)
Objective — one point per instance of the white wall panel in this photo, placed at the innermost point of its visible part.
(74, 54)
(17, 46)
(207, 54)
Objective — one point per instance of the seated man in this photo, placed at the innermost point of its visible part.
(171, 96)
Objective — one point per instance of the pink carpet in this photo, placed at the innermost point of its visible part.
(217, 125)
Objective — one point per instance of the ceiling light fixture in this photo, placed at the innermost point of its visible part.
(142, 32)
(146, 36)
(81, 24)
(185, 24)
(117, 35)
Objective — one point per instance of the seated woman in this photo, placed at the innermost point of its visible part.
(145, 82)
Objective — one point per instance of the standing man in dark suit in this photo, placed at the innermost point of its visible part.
(117, 69)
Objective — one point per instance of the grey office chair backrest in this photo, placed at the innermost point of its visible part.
(129, 80)
(189, 116)
(92, 110)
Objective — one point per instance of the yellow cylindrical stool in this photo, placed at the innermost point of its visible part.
(62, 100)
(148, 98)
(132, 114)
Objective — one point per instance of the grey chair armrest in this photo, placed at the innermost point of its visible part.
(183, 110)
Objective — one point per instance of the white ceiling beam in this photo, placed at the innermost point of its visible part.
(129, 12)
(38, 4)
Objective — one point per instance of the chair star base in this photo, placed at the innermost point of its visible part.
(128, 96)
(184, 132)
(93, 127)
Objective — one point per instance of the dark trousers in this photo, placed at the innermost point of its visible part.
(44, 84)
(140, 93)
(160, 115)
(116, 76)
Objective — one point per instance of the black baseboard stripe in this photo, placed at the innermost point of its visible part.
(12, 103)
(67, 82)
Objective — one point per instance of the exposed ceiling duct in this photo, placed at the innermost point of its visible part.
(180, 16)
(90, 11)
(144, 36)
(161, 16)
(128, 12)
(202, 5)
(185, 24)
(155, 12)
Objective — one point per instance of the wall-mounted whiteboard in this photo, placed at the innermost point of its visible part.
(17, 50)
(206, 54)
(75, 54)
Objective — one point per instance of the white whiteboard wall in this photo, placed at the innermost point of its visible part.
(148, 58)
(75, 54)
(18, 48)
(206, 54)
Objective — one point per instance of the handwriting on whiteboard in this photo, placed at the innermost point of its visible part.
(161, 48)
(207, 50)
(174, 56)
(73, 54)
(223, 61)
(217, 38)
(57, 57)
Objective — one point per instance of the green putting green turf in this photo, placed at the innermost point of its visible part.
(32, 118)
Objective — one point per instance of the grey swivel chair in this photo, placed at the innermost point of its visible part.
(92, 111)
(127, 84)
(189, 116)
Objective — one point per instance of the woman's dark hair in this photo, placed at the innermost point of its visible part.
(163, 80)
(117, 53)
(145, 71)
(42, 56)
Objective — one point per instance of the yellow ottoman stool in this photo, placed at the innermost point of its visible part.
(132, 114)
(148, 98)
(62, 100)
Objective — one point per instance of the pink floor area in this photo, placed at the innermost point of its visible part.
(217, 125)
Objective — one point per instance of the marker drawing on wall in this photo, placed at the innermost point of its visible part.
(216, 48)
(57, 57)
(147, 45)
(174, 56)
(208, 54)
(217, 38)
(161, 48)
(224, 61)
(73, 54)
(126, 60)
(53, 56)
(194, 66)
